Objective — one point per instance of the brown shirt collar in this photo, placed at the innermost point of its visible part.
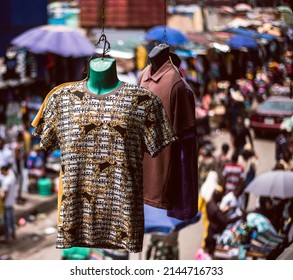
(158, 75)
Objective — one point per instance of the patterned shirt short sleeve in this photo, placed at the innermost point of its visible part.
(45, 126)
(158, 131)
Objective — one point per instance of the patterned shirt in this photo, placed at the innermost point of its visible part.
(102, 139)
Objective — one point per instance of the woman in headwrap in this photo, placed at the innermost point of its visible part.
(205, 195)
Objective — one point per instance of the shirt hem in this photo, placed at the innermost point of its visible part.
(158, 204)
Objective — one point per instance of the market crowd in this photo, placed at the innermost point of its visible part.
(229, 225)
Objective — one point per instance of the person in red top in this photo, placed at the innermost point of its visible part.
(233, 175)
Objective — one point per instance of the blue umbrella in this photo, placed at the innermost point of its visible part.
(56, 39)
(157, 221)
(173, 36)
(186, 53)
(251, 33)
(239, 41)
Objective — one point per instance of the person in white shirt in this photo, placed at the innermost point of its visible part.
(9, 193)
(6, 156)
(233, 203)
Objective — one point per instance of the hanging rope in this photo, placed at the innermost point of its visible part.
(164, 38)
(103, 37)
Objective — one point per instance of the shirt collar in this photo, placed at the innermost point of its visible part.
(158, 75)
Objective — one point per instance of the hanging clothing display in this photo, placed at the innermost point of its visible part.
(102, 139)
(170, 180)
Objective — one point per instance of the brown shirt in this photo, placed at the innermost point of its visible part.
(162, 176)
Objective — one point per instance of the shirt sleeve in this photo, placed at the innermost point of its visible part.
(183, 107)
(45, 124)
(157, 128)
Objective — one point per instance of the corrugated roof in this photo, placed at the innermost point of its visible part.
(206, 3)
(122, 13)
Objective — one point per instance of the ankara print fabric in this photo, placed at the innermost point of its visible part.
(102, 139)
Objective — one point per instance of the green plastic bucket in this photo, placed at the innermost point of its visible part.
(44, 186)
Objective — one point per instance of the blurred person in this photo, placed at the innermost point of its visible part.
(206, 101)
(286, 161)
(266, 208)
(1, 212)
(203, 140)
(9, 193)
(288, 223)
(234, 106)
(280, 206)
(249, 161)
(19, 156)
(233, 203)
(272, 208)
(217, 218)
(239, 135)
(205, 195)
(163, 247)
(278, 217)
(206, 253)
(202, 116)
(6, 154)
(206, 162)
(27, 141)
(233, 175)
(191, 75)
(233, 206)
(36, 159)
(282, 144)
(222, 160)
(36, 167)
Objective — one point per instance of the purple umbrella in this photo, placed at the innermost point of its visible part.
(56, 39)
